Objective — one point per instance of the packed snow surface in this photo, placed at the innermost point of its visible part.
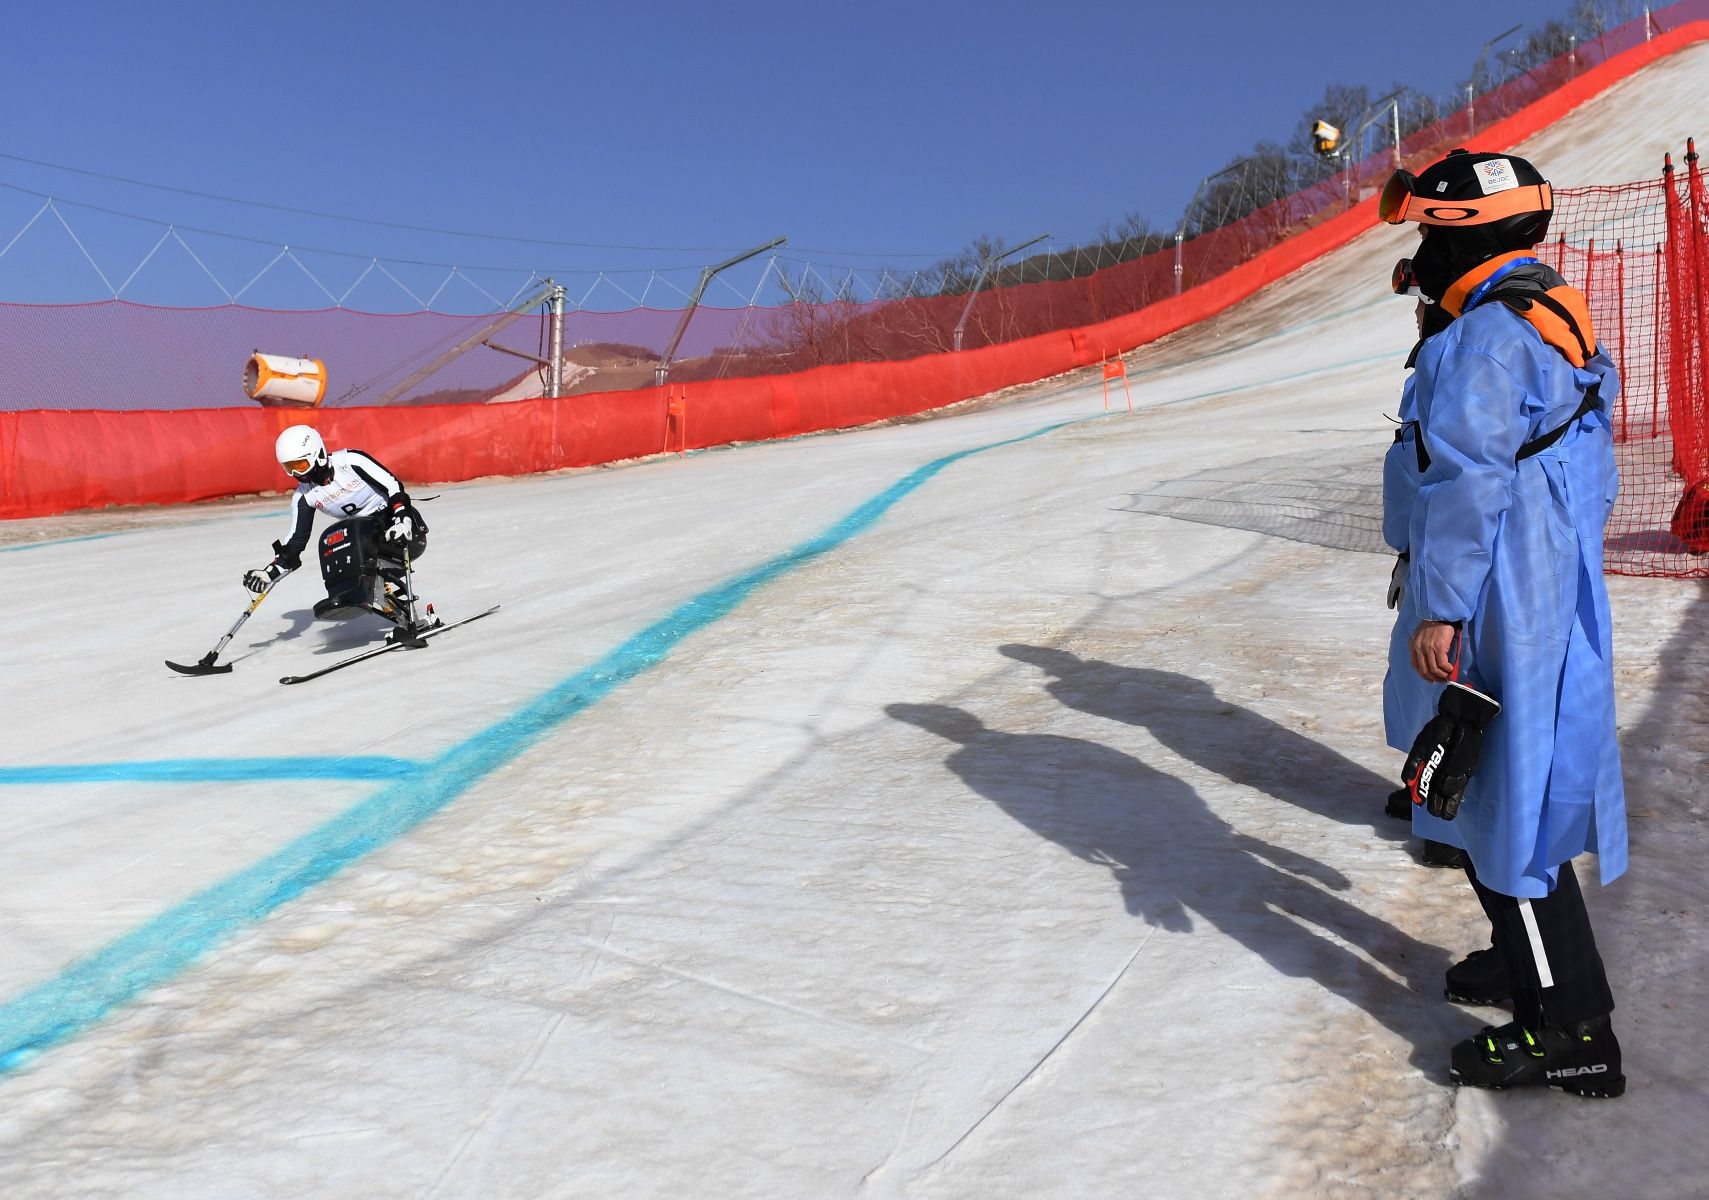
(987, 805)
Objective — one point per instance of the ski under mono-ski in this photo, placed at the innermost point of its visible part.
(376, 651)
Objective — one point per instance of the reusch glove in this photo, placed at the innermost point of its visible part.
(1447, 750)
(262, 578)
(1397, 578)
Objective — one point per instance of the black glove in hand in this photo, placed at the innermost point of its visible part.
(1447, 750)
(286, 557)
(1397, 578)
(262, 578)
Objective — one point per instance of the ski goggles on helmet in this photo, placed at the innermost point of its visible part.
(297, 467)
(1402, 201)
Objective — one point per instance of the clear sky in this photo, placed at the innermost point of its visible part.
(899, 131)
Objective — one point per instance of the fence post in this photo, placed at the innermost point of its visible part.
(1620, 322)
(555, 371)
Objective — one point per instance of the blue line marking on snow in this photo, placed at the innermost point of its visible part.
(88, 990)
(213, 770)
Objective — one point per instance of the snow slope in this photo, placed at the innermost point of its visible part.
(985, 805)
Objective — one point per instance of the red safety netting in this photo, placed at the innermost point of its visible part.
(123, 356)
(1632, 251)
(82, 385)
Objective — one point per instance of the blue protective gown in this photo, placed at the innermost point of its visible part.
(1513, 550)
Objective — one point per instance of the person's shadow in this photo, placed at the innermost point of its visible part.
(1172, 857)
(359, 632)
(1242, 746)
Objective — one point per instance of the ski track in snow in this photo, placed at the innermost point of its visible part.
(1025, 841)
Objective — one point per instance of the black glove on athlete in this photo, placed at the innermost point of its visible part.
(1447, 750)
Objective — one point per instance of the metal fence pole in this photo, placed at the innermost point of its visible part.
(555, 372)
(1187, 215)
(984, 272)
(662, 372)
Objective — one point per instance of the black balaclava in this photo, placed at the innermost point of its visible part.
(1445, 255)
(1435, 319)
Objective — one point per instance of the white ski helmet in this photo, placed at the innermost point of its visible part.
(300, 451)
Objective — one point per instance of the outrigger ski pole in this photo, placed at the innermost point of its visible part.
(205, 664)
(408, 636)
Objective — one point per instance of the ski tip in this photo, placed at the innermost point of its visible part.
(199, 668)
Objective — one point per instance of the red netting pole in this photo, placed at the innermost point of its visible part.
(1656, 344)
(1696, 443)
(1620, 332)
(1678, 269)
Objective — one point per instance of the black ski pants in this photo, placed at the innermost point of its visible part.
(1550, 953)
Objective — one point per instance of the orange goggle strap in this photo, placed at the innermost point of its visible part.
(1401, 203)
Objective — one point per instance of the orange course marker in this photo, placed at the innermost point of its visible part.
(1116, 368)
(676, 413)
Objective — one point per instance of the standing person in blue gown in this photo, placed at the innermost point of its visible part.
(1500, 679)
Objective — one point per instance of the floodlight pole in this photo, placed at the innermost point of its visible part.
(984, 271)
(662, 372)
(1187, 215)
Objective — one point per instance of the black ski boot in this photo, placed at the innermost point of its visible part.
(1399, 805)
(1479, 978)
(1441, 854)
(1436, 854)
(1583, 1059)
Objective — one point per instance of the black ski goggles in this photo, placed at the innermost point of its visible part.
(1401, 201)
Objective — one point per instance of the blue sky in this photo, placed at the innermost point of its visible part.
(897, 131)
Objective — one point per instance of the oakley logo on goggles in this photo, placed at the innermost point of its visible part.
(1401, 201)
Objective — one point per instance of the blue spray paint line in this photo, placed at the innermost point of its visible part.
(212, 770)
(89, 990)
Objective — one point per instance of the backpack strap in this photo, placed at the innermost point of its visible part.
(1591, 402)
(1564, 322)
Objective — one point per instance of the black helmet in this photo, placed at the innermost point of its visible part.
(1473, 207)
